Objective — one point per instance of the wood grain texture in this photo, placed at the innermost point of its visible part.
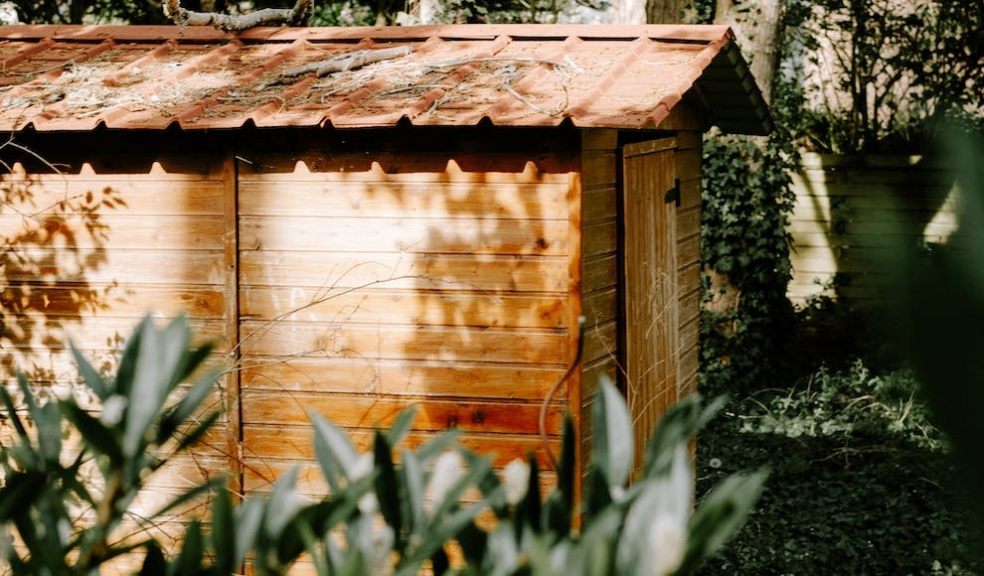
(469, 344)
(371, 411)
(331, 270)
(401, 377)
(651, 290)
(271, 443)
(412, 307)
(367, 285)
(402, 200)
(407, 235)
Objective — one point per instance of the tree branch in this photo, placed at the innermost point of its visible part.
(348, 61)
(299, 15)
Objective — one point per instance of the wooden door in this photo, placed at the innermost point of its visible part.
(650, 321)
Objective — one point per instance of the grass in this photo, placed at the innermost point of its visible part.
(860, 483)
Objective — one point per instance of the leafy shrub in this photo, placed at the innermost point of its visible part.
(747, 319)
(380, 517)
(861, 482)
(849, 404)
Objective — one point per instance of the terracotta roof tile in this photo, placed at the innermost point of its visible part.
(80, 77)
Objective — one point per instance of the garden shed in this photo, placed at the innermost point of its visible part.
(367, 218)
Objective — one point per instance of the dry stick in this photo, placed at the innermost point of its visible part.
(299, 15)
(348, 61)
(553, 390)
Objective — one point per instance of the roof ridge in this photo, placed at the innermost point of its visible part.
(81, 33)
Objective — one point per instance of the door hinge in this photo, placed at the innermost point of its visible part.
(673, 194)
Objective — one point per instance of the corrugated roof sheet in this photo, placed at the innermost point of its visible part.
(152, 77)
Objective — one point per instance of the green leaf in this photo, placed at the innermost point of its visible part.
(401, 426)
(128, 361)
(676, 427)
(223, 535)
(49, 432)
(148, 390)
(154, 563)
(436, 446)
(189, 560)
(413, 481)
(336, 455)
(446, 530)
(249, 516)
(99, 439)
(282, 506)
(440, 562)
(213, 484)
(613, 444)
(476, 470)
(200, 429)
(529, 513)
(174, 356)
(19, 492)
(90, 375)
(387, 489)
(187, 406)
(8, 404)
(720, 516)
(559, 507)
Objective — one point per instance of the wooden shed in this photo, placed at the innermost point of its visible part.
(426, 228)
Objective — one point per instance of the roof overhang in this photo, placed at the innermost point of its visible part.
(155, 77)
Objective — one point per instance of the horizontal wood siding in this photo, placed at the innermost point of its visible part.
(410, 281)
(853, 212)
(688, 170)
(599, 289)
(86, 255)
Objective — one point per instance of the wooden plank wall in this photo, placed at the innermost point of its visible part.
(371, 283)
(852, 211)
(600, 268)
(688, 170)
(651, 305)
(86, 253)
(601, 253)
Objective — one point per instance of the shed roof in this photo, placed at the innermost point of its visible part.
(152, 77)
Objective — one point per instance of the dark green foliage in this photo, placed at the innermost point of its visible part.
(904, 69)
(938, 317)
(381, 516)
(860, 483)
(65, 519)
(745, 247)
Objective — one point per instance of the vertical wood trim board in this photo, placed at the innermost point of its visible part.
(651, 323)
(234, 431)
(574, 306)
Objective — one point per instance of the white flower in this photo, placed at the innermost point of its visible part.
(515, 480)
(448, 469)
(112, 410)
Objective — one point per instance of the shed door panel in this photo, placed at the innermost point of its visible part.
(363, 291)
(650, 283)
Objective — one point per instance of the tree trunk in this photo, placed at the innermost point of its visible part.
(666, 11)
(650, 11)
(429, 11)
(758, 27)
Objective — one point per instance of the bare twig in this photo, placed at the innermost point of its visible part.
(349, 61)
(299, 15)
(575, 362)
